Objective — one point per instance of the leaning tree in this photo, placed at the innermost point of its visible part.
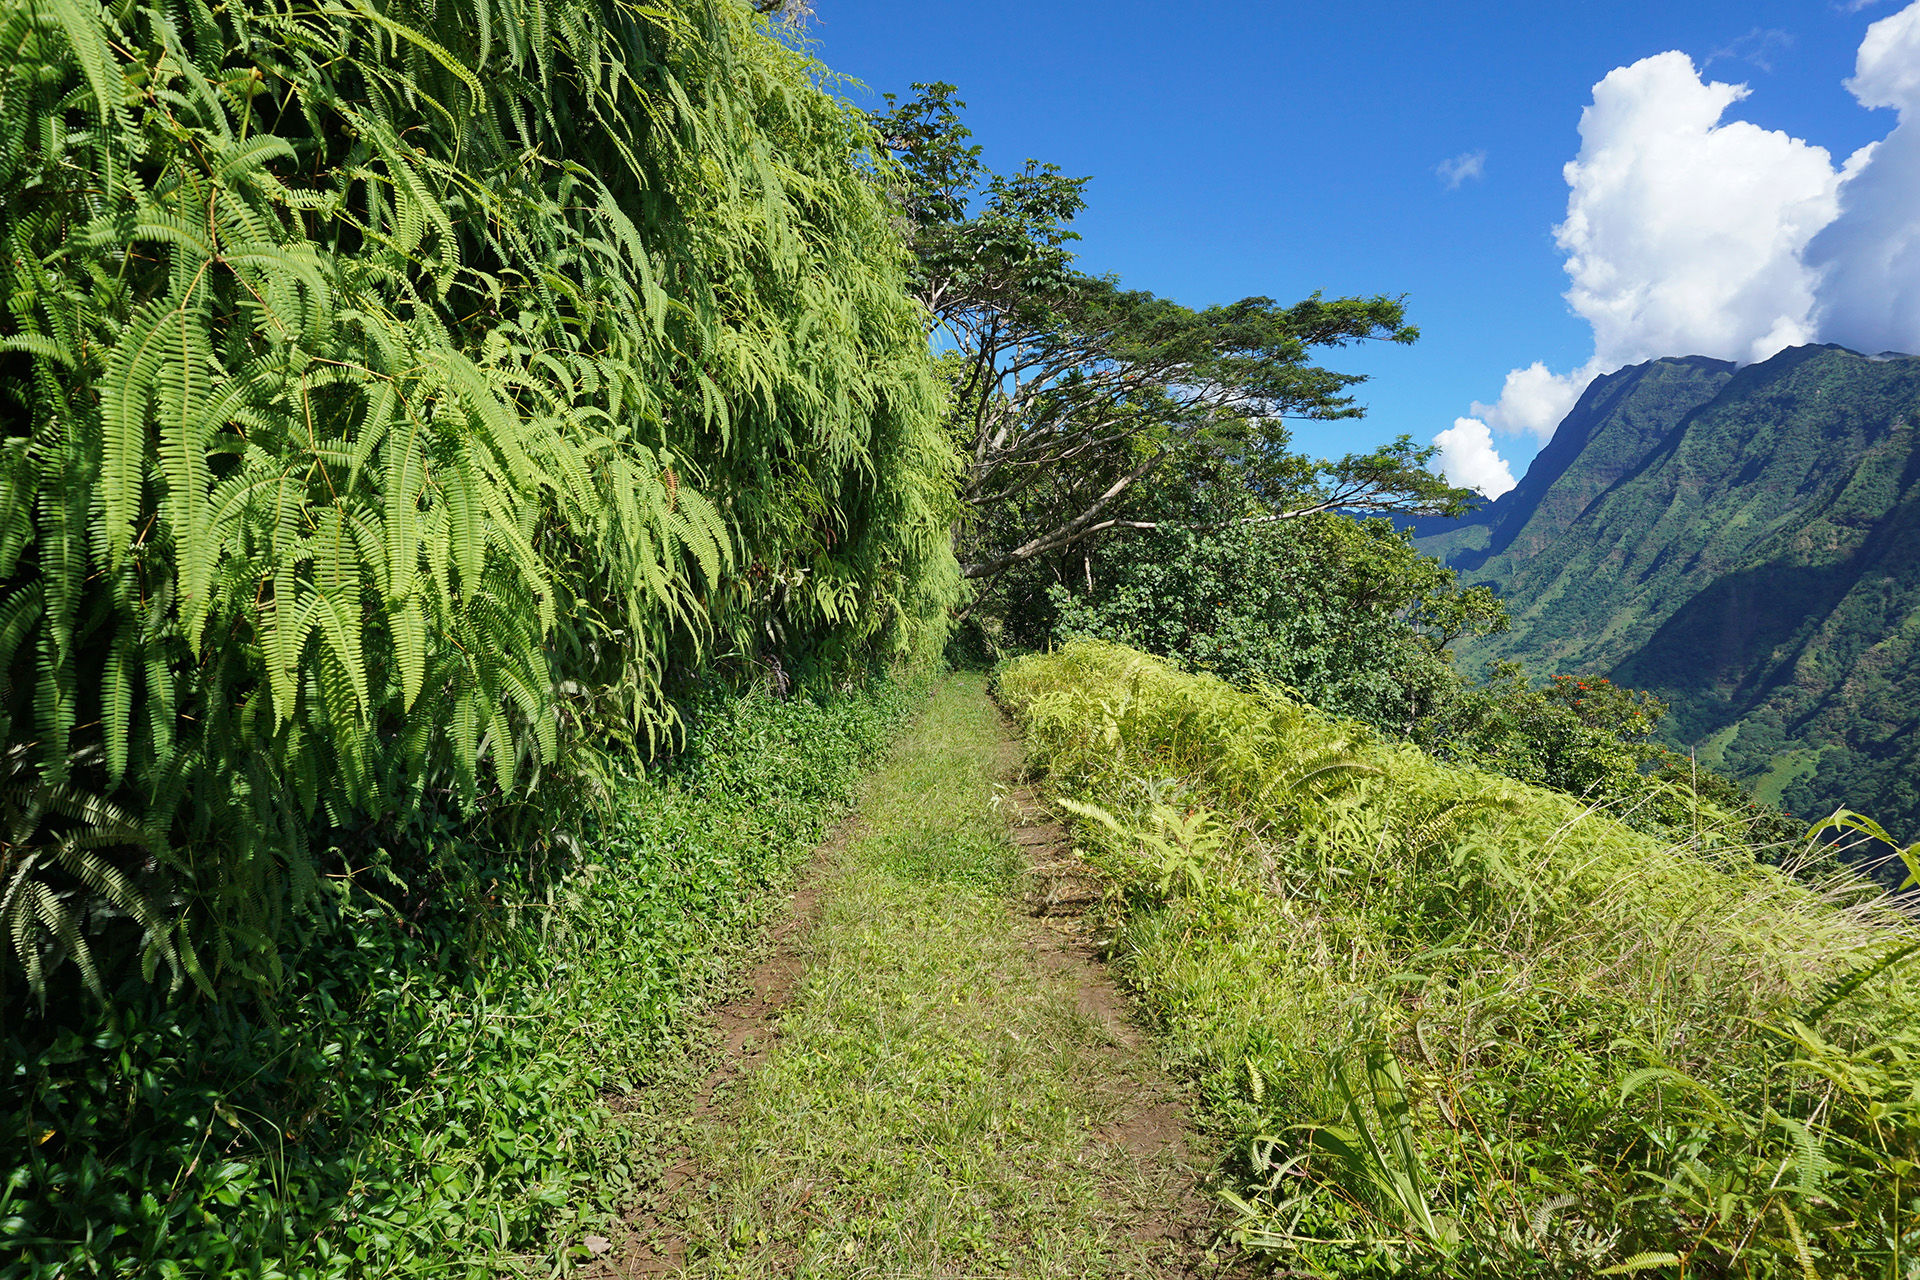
(1069, 393)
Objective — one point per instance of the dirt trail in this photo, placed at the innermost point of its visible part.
(1061, 894)
(1135, 1155)
(744, 1028)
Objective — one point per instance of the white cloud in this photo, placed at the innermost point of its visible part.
(1684, 234)
(1886, 72)
(1690, 234)
(1468, 458)
(1534, 399)
(1760, 46)
(1869, 258)
(1467, 165)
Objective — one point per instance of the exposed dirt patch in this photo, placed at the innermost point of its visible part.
(742, 1030)
(1153, 1123)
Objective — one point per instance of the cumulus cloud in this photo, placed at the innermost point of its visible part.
(1869, 257)
(1535, 398)
(1691, 234)
(1468, 458)
(1461, 168)
(1685, 234)
(1886, 72)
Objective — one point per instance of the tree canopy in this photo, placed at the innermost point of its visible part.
(1069, 391)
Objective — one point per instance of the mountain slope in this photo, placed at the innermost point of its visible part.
(1619, 420)
(1757, 565)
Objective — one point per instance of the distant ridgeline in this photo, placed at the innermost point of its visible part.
(1743, 542)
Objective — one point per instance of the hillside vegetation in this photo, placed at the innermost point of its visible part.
(1617, 424)
(1744, 545)
(466, 1082)
(425, 425)
(1456, 1025)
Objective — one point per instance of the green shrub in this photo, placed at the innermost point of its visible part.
(1344, 612)
(1459, 1026)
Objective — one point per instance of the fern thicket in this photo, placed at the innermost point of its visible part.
(399, 394)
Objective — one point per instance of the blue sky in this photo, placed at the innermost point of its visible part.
(1245, 148)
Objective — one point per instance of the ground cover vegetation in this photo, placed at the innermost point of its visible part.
(466, 1085)
(416, 418)
(938, 1101)
(1456, 1025)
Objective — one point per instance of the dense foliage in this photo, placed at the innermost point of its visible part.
(1464, 1027)
(459, 1081)
(398, 399)
(1345, 612)
(1746, 546)
(1594, 739)
(1351, 617)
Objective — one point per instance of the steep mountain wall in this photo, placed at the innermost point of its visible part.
(1746, 544)
(1619, 420)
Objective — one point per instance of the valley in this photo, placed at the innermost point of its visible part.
(1745, 544)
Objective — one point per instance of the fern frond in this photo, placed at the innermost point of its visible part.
(345, 403)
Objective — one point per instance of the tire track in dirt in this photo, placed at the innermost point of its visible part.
(651, 1242)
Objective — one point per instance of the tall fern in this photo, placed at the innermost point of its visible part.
(398, 393)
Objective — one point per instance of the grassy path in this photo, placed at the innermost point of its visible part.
(950, 1092)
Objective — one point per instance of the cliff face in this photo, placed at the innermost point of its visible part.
(1619, 420)
(1744, 543)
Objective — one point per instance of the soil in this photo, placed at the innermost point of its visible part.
(1154, 1126)
(743, 1031)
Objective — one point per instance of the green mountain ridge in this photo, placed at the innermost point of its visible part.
(1745, 543)
(1609, 433)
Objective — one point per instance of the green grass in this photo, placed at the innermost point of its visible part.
(937, 1101)
(1784, 770)
(1454, 1026)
